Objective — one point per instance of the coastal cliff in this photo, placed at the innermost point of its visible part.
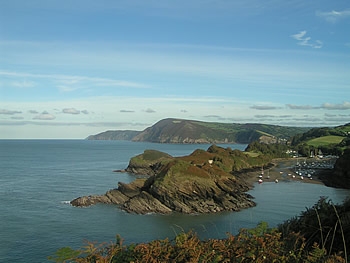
(199, 183)
(191, 131)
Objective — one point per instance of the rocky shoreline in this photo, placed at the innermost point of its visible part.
(137, 198)
(192, 184)
(143, 197)
(284, 169)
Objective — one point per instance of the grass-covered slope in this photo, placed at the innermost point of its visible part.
(324, 135)
(148, 163)
(330, 140)
(190, 131)
(325, 140)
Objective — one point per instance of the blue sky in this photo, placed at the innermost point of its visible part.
(69, 69)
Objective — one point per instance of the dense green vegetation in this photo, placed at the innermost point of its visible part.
(320, 234)
(148, 157)
(325, 224)
(276, 150)
(342, 131)
(328, 140)
(236, 160)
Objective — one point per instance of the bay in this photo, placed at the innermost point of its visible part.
(39, 177)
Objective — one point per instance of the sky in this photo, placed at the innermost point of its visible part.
(72, 68)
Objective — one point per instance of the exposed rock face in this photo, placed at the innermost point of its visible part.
(191, 197)
(340, 176)
(198, 183)
(342, 166)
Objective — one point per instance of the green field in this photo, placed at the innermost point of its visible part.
(325, 140)
(252, 154)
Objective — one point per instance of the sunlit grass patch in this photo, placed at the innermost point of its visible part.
(325, 140)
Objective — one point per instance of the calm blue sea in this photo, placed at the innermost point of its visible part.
(39, 177)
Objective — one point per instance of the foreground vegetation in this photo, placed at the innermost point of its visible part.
(320, 234)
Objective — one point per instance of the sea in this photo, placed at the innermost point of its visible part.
(38, 178)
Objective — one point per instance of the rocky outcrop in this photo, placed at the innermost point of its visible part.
(198, 183)
(149, 163)
(342, 166)
(339, 177)
(150, 196)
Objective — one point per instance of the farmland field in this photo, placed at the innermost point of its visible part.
(325, 140)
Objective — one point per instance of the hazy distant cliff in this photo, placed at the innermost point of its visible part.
(190, 131)
(125, 135)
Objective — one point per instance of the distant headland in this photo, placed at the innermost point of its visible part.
(191, 131)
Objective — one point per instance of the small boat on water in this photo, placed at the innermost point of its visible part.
(276, 181)
(260, 181)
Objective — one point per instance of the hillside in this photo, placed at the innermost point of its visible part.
(125, 135)
(330, 140)
(190, 131)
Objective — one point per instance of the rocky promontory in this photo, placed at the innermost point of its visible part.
(339, 177)
(202, 182)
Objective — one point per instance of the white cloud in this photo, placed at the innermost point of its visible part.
(301, 107)
(67, 83)
(264, 107)
(44, 116)
(318, 44)
(9, 112)
(17, 118)
(71, 111)
(327, 106)
(334, 16)
(303, 40)
(149, 110)
(23, 84)
(343, 106)
(300, 35)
